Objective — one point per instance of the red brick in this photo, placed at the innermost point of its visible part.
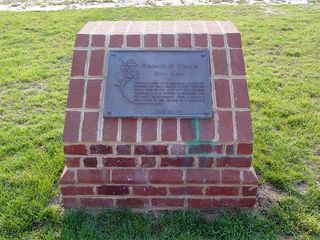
(185, 190)
(234, 40)
(249, 177)
(149, 191)
(101, 149)
(244, 148)
(132, 203)
(225, 124)
(178, 149)
(244, 128)
(217, 40)
(222, 93)
(207, 129)
(230, 149)
(187, 130)
(96, 62)
(184, 40)
(112, 190)
(233, 161)
(167, 202)
(205, 148)
(96, 202)
(165, 176)
(90, 126)
(68, 177)
(169, 130)
(75, 95)
(203, 203)
(177, 162)
(78, 62)
(93, 94)
(249, 191)
(220, 64)
(133, 40)
(151, 40)
(72, 162)
(132, 176)
(242, 202)
(237, 62)
(150, 149)
(240, 91)
(148, 162)
(206, 176)
(75, 149)
(110, 129)
(93, 175)
(90, 162)
(72, 190)
(82, 40)
(149, 130)
(123, 149)
(222, 190)
(98, 40)
(206, 162)
(119, 162)
(129, 129)
(71, 126)
(230, 176)
(201, 40)
(116, 41)
(69, 202)
(167, 40)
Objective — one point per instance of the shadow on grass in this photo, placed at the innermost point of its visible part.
(125, 224)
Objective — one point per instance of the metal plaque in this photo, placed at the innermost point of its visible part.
(158, 83)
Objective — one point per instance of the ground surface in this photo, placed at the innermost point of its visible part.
(282, 52)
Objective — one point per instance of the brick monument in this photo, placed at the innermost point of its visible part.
(158, 162)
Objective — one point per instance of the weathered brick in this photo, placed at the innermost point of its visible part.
(149, 191)
(205, 148)
(244, 128)
(244, 148)
(187, 130)
(230, 149)
(90, 126)
(149, 130)
(90, 162)
(68, 177)
(132, 176)
(206, 162)
(220, 61)
(78, 149)
(119, 162)
(230, 176)
(75, 94)
(222, 93)
(96, 202)
(133, 40)
(178, 149)
(165, 176)
(206, 176)
(167, 202)
(73, 190)
(169, 130)
(203, 203)
(100, 149)
(132, 203)
(148, 162)
(129, 130)
(72, 162)
(110, 129)
(101, 176)
(123, 149)
(116, 41)
(242, 202)
(185, 190)
(237, 62)
(96, 63)
(93, 94)
(112, 190)
(207, 129)
(177, 162)
(249, 190)
(233, 161)
(150, 149)
(71, 126)
(78, 62)
(225, 126)
(222, 190)
(69, 202)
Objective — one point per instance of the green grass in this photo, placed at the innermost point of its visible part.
(282, 53)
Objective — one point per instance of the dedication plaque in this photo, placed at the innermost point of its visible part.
(158, 83)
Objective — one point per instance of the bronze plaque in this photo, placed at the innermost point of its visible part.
(158, 83)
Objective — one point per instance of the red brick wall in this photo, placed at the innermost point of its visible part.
(158, 163)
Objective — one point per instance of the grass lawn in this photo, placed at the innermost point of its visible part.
(282, 53)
